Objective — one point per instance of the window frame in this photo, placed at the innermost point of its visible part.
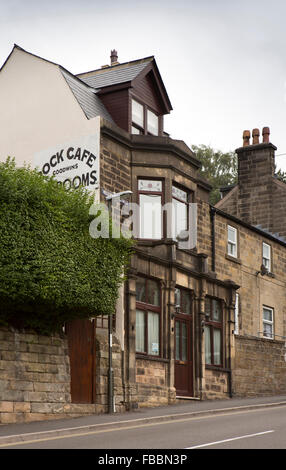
(148, 110)
(230, 242)
(213, 325)
(146, 307)
(268, 322)
(176, 186)
(236, 314)
(178, 306)
(264, 244)
(156, 193)
(143, 130)
(183, 317)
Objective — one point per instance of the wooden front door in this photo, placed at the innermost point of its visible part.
(81, 342)
(183, 355)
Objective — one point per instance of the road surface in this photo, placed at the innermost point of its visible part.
(262, 428)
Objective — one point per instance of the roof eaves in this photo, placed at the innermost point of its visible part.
(255, 228)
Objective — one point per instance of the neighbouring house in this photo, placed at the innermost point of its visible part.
(200, 320)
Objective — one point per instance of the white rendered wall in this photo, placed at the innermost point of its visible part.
(37, 108)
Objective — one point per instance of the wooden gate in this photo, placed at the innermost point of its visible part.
(81, 342)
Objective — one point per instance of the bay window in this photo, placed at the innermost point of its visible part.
(150, 209)
(148, 317)
(179, 212)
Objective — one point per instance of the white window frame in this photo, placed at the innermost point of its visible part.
(150, 209)
(143, 119)
(150, 129)
(180, 199)
(136, 117)
(268, 322)
(266, 260)
(231, 243)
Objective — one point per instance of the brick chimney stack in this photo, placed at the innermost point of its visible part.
(265, 134)
(258, 198)
(113, 57)
(255, 136)
(256, 168)
(246, 138)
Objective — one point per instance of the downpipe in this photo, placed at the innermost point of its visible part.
(110, 368)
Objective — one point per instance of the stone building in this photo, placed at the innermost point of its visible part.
(201, 317)
(259, 196)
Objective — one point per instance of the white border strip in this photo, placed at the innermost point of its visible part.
(228, 440)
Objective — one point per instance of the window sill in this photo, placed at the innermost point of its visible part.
(232, 258)
(270, 274)
(218, 368)
(151, 358)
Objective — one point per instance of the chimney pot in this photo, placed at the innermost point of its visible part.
(266, 133)
(246, 137)
(113, 57)
(255, 136)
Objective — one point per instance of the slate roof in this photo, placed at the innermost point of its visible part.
(277, 236)
(90, 103)
(116, 74)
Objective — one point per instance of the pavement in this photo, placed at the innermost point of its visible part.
(10, 433)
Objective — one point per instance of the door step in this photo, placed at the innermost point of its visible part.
(187, 398)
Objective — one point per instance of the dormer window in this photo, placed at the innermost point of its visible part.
(152, 123)
(133, 95)
(137, 118)
(144, 121)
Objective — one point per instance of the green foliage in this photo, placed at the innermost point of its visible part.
(220, 169)
(281, 175)
(51, 269)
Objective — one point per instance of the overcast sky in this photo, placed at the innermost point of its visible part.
(223, 62)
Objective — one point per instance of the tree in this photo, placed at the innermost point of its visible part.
(220, 169)
(281, 175)
(51, 269)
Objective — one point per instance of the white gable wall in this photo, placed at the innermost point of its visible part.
(38, 110)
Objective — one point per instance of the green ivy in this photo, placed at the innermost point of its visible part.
(51, 269)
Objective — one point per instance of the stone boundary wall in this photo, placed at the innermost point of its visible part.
(35, 379)
(216, 385)
(34, 375)
(259, 367)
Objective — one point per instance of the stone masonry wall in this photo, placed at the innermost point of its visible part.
(259, 368)
(152, 388)
(216, 385)
(34, 376)
(102, 366)
(115, 171)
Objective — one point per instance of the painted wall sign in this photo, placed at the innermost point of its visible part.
(73, 164)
